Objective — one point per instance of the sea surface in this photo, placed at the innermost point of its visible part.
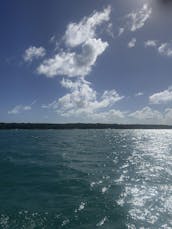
(86, 179)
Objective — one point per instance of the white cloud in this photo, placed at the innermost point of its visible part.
(161, 97)
(51, 105)
(73, 64)
(121, 31)
(139, 94)
(168, 116)
(76, 60)
(83, 100)
(139, 18)
(110, 116)
(52, 39)
(83, 48)
(147, 115)
(78, 33)
(151, 43)
(132, 43)
(165, 49)
(18, 109)
(34, 53)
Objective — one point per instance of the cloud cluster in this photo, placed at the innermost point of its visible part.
(83, 99)
(139, 18)
(147, 115)
(82, 48)
(34, 53)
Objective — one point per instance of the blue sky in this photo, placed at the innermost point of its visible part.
(86, 61)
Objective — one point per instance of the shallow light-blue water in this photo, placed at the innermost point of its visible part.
(86, 179)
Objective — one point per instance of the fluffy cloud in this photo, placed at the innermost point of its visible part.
(139, 18)
(83, 100)
(34, 53)
(73, 64)
(147, 115)
(132, 43)
(165, 49)
(78, 33)
(18, 109)
(86, 47)
(151, 43)
(161, 97)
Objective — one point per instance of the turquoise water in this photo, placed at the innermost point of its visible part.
(111, 179)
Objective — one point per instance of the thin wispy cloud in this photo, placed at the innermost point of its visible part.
(21, 108)
(139, 94)
(121, 31)
(139, 18)
(18, 109)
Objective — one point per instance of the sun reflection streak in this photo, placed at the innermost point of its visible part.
(149, 193)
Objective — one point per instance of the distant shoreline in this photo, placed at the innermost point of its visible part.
(68, 126)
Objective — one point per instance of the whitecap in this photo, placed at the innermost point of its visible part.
(81, 207)
(99, 224)
(65, 222)
(104, 189)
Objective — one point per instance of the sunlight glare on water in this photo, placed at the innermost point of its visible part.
(147, 180)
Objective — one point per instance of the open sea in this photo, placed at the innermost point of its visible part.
(85, 179)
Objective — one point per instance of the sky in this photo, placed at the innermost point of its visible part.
(88, 61)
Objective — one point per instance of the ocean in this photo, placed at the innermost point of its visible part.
(86, 179)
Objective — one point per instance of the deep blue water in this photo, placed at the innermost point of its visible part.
(86, 179)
